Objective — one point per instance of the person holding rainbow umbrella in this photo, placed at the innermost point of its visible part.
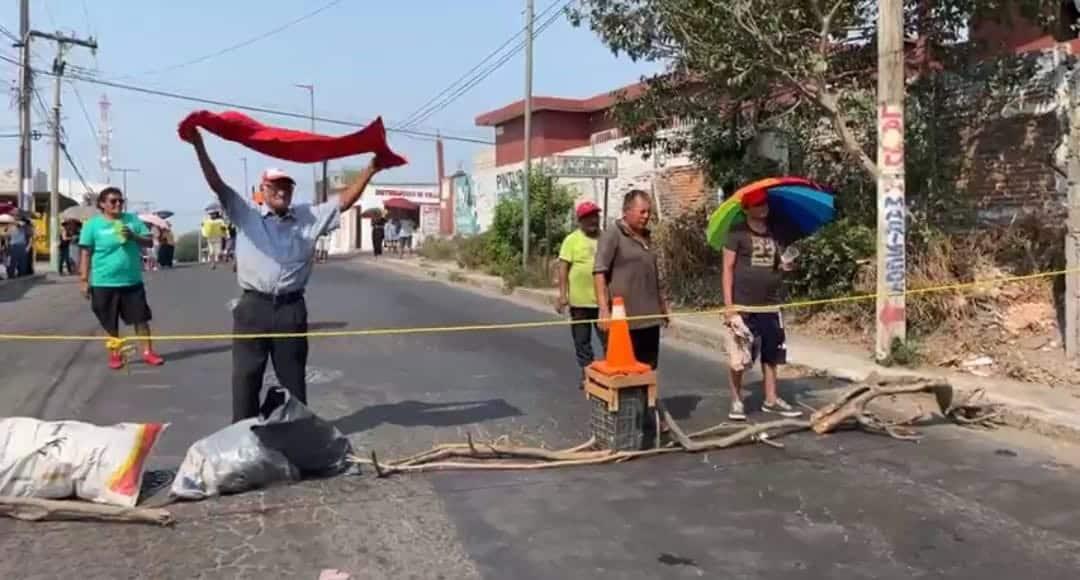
(755, 228)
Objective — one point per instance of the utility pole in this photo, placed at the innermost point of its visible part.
(54, 186)
(528, 130)
(310, 88)
(124, 172)
(26, 85)
(891, 204)
(104, 136)
(1071, 329)
(62, 42)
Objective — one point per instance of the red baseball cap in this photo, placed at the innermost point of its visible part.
(587, 208)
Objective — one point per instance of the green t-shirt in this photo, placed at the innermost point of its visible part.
(114, 261)
(579, 251)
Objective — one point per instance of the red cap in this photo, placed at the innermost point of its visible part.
(587, 208)
(754, 198)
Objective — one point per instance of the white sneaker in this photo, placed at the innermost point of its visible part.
(737, 412)
(782, 408)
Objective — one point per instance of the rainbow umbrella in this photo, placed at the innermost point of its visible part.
(797, 206)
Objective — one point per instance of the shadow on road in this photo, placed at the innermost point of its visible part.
(187, 353)
(15, 288)
(792, 390)
(682, 406)
(417, 414)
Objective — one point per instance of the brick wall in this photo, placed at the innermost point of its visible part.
(1010, 166)
(1007, 157)
(679, 189)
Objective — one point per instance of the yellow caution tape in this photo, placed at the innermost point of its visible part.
(114, 343)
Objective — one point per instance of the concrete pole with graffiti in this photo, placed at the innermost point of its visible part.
(891, 205)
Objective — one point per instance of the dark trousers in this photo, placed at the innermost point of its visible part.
(17, 262)
(65, 258)
(260, 314)
(583, 333)
(165, 255)
(646, 342)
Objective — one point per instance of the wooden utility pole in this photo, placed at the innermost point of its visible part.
(1072, 232)
(62, 42)
(528, 130)
(891, 207)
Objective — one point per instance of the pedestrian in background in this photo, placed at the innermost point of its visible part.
(110, 272)
(405, 237)
(577, 289)
(627, 266)
(19, 240)
(275, 251)
(753, 276)
(65, 262)
(215, 232)
(378, 233)
(167, 248)
(392, 235)
(4, 257)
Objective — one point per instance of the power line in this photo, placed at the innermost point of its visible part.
(410, 122)
(14, 37)
(75, 168)
(86, 113)
(252, 108)
(238, 45)
(487, 72)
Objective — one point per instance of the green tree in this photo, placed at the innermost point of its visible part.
(550, 219)
(187, 247)
(803, 68)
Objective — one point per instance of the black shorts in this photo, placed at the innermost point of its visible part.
(769, 337)
(111, 304)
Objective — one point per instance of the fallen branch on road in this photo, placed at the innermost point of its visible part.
(849, 410)
(36, 510)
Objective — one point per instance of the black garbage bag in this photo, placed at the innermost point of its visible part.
(313, 445)
(284, 443)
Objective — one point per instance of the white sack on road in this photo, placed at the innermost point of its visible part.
(61, 459)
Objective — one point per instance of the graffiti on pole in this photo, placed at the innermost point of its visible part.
(895, 254)
(892, 229)
(893, 208)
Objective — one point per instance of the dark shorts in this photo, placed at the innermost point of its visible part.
(127, 303)
(769, 337)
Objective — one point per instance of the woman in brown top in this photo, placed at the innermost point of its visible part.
(627, 266)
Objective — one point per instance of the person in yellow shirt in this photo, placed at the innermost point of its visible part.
(214, 230)
(576, 290)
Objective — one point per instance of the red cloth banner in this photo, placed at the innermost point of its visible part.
(292, 145)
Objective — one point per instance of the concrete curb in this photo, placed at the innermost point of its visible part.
(1036, 408)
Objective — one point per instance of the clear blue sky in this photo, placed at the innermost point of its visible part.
(366, 58)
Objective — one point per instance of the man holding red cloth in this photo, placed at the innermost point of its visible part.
(275, 247)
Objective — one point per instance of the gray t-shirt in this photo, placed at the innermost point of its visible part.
(758, 279)
(630, 266)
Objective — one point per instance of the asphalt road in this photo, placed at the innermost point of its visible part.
(958, 505)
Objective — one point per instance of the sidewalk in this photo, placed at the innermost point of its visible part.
(1049, 411)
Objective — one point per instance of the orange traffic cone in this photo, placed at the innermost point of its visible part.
(620, 351)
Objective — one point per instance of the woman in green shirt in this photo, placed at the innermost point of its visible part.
(110, 272)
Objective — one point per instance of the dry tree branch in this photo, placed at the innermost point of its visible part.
(35, 510)
(847, 410)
